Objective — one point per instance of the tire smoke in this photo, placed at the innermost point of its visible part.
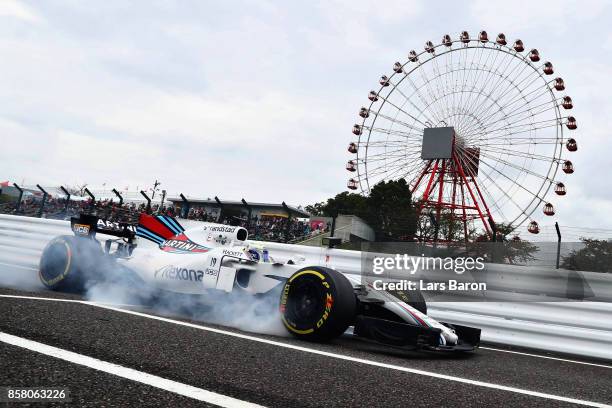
(106, 281)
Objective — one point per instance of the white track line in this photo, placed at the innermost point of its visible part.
(128, 373)
(546, 357)
(85, 302)
(46, 298)
(19, 266)
(340, 356)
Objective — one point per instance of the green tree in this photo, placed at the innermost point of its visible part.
(315, 209)
(343, 203)
(387, 209)
(347, 203)
(450, 227)
(596, 256)
(504, 249)
(390, 211)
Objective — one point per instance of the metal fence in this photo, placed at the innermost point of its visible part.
(59, 203)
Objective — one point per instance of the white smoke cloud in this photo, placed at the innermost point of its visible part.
(110, 283)
(257, 314)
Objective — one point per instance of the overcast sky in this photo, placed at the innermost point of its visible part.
(256, 99)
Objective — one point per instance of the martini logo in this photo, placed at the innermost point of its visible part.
(113, 225)
(182, 244)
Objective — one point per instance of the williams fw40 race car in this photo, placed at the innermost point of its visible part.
(315, 302)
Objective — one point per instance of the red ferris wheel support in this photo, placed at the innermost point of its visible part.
(459, 168)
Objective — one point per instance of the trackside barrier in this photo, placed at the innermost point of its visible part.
(579, 328)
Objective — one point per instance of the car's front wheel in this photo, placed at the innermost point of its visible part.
(317, 303)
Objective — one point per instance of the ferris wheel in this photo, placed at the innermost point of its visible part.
(478, 128)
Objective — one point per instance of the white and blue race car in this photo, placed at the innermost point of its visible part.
(315, 302)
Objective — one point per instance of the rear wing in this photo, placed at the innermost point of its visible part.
(156, 228)
(86, 225)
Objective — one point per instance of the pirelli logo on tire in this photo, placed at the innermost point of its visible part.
(329, 301)
(284, 295)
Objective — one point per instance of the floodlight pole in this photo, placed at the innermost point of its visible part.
(67, 198)
(184, 207)
(148, 201)
(93, 197)
(220, 204)
(119, 196)
(558, 243)
(44, 199)
(250, 210)
(18, 206)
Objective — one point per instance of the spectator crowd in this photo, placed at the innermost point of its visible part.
(59, 209)
(261, 228)
(264, 228)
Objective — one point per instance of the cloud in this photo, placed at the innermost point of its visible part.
(255, 100)
(18, 10)
(521, 15)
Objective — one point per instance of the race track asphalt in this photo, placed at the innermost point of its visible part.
(269, 370)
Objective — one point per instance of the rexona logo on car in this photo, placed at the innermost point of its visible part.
(182, 244)
(178, 273)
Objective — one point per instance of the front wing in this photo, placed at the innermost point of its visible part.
(409, 336)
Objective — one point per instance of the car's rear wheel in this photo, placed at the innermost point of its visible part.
(317, 304)
(67, 263)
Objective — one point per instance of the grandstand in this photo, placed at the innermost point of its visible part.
(265, 221)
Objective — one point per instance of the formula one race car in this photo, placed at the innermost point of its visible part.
(315, 302)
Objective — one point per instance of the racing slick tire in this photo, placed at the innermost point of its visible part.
(68, 262)
(317, 304)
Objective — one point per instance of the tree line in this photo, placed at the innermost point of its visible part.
(391, 212)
